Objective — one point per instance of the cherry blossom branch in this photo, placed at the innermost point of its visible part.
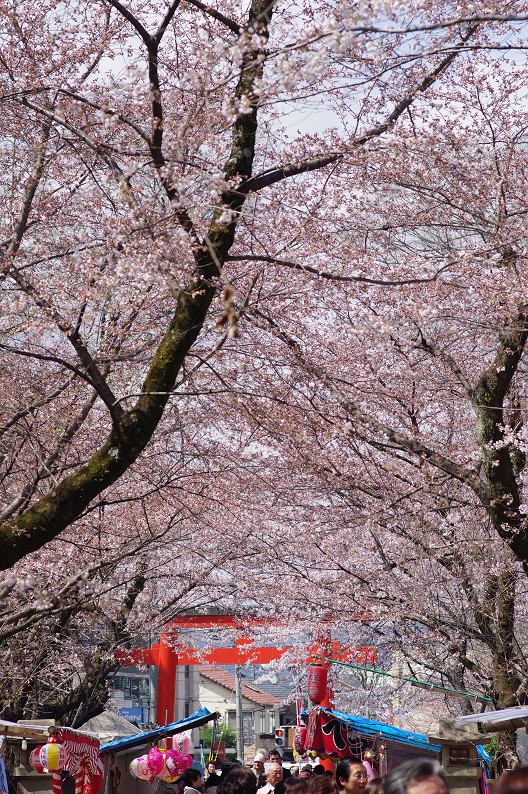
(448, 359)
(272, 176)
(44, 469)
(334, 276)
(212, 12)
(107, 112)
(34, 405)
(97, 380)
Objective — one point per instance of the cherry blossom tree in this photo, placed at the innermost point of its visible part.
(208, 309)
(138, 140)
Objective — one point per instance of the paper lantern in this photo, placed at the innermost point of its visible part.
(155, 760)
(317, 681)
(34, 760)
(139, 768)
(299, 739)
(54, 756)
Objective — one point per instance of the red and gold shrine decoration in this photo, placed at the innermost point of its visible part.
(328, 737)
(317, 682)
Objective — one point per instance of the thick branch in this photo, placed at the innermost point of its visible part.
(488, 403)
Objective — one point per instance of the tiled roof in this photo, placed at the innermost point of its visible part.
(249, 691)
(281, 687)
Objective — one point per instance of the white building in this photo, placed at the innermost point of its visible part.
(260, 710)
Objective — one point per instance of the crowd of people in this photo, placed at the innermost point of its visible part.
(418, 776)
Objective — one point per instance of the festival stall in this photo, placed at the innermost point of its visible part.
(42, 756)
(332, 734)
(133, 763)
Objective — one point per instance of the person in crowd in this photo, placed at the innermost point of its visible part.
(227, 765)
(210, 769)
(192, 780)
(419, 776)
(375, 786)
(273, 775)
(294, 770)
(305, 772)
(212, 783)
(293, 785)
(514, 781)
(319, 784)
(318, 769)
(239, 780)
(351, 776)
(276, 758)
(258, 768)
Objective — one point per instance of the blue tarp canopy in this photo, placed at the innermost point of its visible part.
(199, 717)
(373, 728)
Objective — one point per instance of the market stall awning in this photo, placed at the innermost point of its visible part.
(502, 720)
(200, 717)
(372, 728)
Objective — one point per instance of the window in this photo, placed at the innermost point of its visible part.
(248, 726)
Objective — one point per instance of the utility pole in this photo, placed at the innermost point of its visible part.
(239, 713)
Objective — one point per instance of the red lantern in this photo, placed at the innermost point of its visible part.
(34, 760)
(299, 739)
(317, 681)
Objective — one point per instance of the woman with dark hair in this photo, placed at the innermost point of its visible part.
(319, 784)
(239, 780)
(192, 779)
(514, 781)
(293, 785)
(375, 786)
(351, 776)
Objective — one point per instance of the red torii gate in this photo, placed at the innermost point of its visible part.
(167, 655)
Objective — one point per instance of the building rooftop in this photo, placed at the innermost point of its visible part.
(249, 691)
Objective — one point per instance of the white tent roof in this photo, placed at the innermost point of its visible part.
(109, 726)
(505, 719)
